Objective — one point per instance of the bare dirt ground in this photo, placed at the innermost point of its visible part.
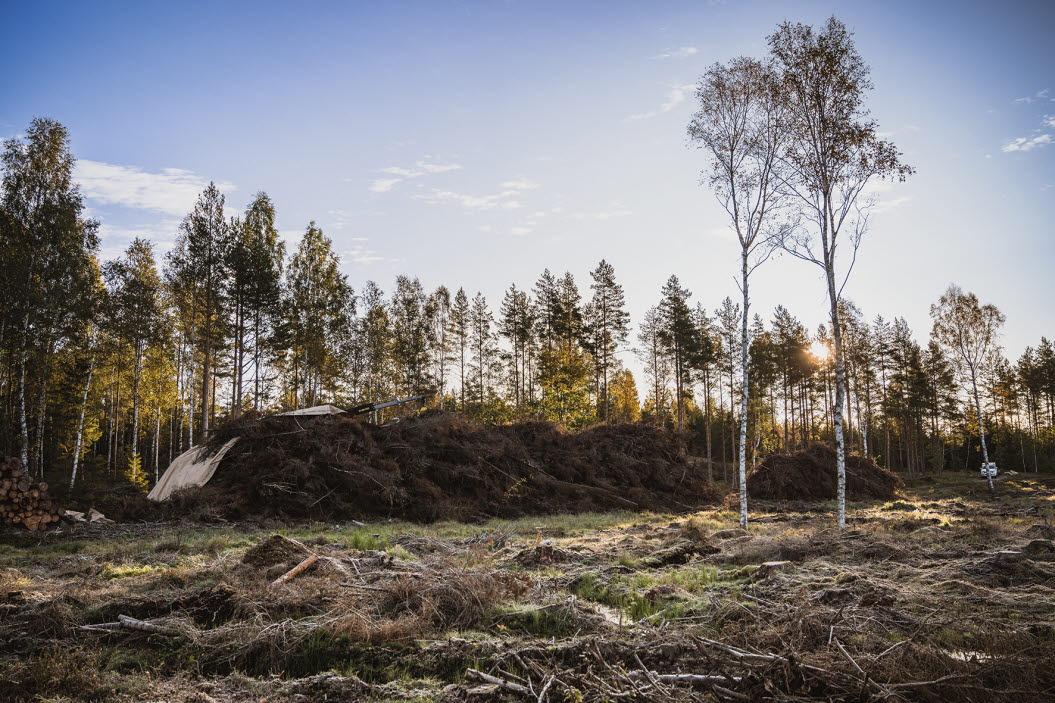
(944, 594)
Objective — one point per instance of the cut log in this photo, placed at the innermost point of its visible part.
(296, 570)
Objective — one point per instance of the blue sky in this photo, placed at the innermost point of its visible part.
(476, 143)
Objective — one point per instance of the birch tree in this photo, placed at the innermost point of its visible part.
(969, 330)
(832, 153)
(46, 247)
(742, 127)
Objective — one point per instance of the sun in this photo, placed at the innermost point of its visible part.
(820, 351)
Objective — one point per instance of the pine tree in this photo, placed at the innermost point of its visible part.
(411, 335)
(679, 336)
(654, 357)
(375, 337)
(137, 315)
(608, 324)
(440, 321)
(316, 317)
(461, 330)
(483, 349)
(517, 326)
(198, 278)
(255, 261)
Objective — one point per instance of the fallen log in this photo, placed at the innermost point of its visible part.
(295, 571)
(501, 683)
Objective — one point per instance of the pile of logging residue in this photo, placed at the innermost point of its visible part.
(810, 474)
(441, 466)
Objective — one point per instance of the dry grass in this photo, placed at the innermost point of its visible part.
(590, 607)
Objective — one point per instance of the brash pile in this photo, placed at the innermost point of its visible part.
(810, 474)
(439, 466)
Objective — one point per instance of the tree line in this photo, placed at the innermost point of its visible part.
(110, 369)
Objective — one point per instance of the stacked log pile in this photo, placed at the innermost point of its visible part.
(24, 501)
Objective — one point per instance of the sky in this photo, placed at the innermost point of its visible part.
(477, 143)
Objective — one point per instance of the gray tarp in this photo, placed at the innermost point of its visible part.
(193, 467)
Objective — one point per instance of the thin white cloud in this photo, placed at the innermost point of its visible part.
(360, 254)
(504, 199)
(472, 202)
(1049, 120)
(601, 215)
(518, 185)
(172, 191)
(1039, 96)
(675, 96)
(383, 185)
(421, 168)
(679, 53)
(888, 205)
(1027, 143)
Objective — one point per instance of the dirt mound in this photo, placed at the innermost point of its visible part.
(441, 466)
(810, 474)
(276, 549)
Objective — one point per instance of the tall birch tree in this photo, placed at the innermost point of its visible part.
(969, 330)
(833, 152)
(742, 128)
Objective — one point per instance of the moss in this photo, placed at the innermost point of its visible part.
(120, 571)
(547, 621)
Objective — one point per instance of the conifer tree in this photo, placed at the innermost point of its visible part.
(654, 357)
(440, 321)
(316, 316)
(411, 335)
(375, 336)
(255, 261)
(517, 326)
(198, 278)
(137, 315)
(608, 324)
(461, 331)
(679, 336)
(483, 349)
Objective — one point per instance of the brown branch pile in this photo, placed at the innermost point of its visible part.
(442, 466)
(810, 474)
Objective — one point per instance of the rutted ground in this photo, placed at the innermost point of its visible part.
(944, 594)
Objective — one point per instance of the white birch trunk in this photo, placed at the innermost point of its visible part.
(80, 423)
(840, 395)
(981, 427)
(23, 422)
(743, 395)
(136, 372)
